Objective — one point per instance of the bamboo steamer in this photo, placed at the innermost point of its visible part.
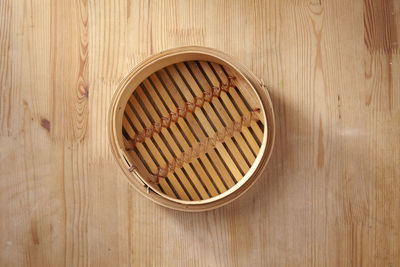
(191, 128)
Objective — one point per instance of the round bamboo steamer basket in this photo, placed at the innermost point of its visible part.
(191, 128)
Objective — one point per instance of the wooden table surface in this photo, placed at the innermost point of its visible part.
(329, 196)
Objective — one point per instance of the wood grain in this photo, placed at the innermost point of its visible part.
(329, 196)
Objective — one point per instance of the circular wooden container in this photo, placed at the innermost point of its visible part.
(191, 129)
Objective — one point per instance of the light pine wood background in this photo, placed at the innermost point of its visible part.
(330, 195)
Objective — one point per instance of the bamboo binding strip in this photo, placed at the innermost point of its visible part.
(191, 129)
